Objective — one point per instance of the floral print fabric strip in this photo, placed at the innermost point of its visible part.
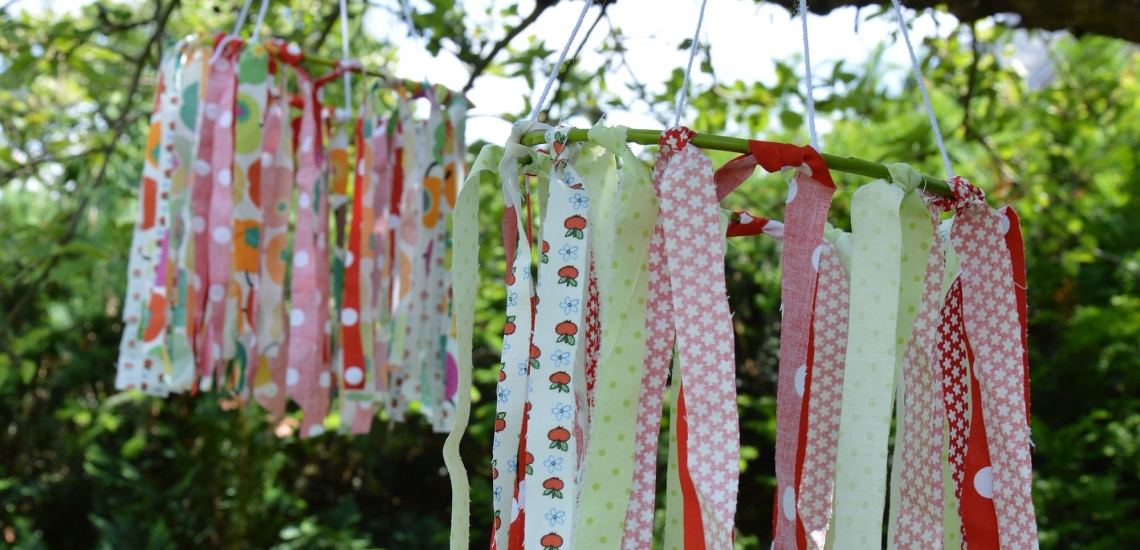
(181, 244)
(551, 493)
(510, 394)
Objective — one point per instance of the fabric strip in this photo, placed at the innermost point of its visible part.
(991, 316)
(660, 335)
(465, 276)
(610, 469)
(695, 253)
(868, 382)
(276, 192)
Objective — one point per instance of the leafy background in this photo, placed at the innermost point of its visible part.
(83, 466)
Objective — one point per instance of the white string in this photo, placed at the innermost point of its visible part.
(922, 86)
(233, 35)
(807, 71)
(558, 65)
(421, 55)
(344, 56)
(689, 68)
(260, 20)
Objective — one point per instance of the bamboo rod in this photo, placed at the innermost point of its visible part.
(849, 165)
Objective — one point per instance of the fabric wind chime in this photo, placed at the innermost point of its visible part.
(615, 288)
(258, 217)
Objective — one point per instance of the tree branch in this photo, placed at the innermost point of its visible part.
(118, 126)
(971, 79)
(326, 29)
(485, 61)
(1115, 18)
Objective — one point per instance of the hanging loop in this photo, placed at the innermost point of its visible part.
(807, 77)
(558, 65)
(689, 68)
(922, 87)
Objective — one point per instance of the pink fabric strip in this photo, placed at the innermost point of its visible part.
(809, 196)
(826, 393)
(920, 452)
(219, 225)
(806, 214)
(989, 303)
(660, 334)
(695, 253)
(201, 193)
(382, 162)
(276, 194)
(303, 372)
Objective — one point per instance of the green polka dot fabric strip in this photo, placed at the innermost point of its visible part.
(465, 271)
(868, 383)
(609, 465)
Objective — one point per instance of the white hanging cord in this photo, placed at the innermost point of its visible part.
(233, 35)
(260, 20)
(421, 55)
(344, 57)
(922, 86)
(558, 65)
(807, 71)
(689, 68)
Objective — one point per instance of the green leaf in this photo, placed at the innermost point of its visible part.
(791, 119)
(27, 371)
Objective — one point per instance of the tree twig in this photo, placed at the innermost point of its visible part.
(118, 126)
(485, 61)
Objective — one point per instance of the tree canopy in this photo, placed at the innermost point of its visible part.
(83, 466)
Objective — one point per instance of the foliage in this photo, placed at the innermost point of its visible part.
(83, 466)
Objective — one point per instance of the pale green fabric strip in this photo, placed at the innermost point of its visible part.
(841, 240)
(951, 522)
(609, 466)
(465, 275)
(674, 501)
(865, 420)
(597, 167)
(917, 238)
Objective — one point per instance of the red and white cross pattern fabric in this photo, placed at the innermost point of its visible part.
(990, 313)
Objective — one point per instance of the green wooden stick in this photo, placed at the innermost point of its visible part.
(849, 165)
